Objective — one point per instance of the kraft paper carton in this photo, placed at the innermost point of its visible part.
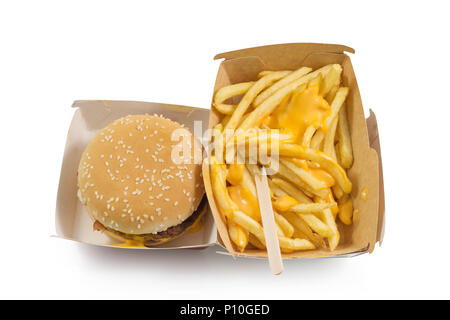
(244, 65)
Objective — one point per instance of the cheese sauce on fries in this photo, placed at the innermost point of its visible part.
(311, 189)
(304, 108)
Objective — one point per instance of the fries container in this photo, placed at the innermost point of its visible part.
(366, 172)
(72, 220)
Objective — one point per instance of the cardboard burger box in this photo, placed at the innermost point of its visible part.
(73, 222)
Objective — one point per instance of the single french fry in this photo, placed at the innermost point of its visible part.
(225, 120)
(307, 136)
(336, 105)
(330, 96)
(328, 144)
(252, 92)
(311, 207)
(218, 183)
(266, 107)
(327, 163)
(280, 84)
(317, 80)
(248, 181)
(338, 193)
(331, 79)
(284, 203)
(333, 238)
(267, 72)
(284, 224)
(317, 140)
(295, 244)
(277, 191)
(338, 156)
(225, 108)
(238, 235)
(280, 232)
(344, 149)
(230, 91)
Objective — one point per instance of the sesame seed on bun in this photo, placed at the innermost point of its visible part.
(131, 183)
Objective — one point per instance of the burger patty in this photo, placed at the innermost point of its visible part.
(172, 232)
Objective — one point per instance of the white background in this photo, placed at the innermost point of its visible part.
(53, 52)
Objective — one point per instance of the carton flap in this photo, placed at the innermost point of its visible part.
(374, 140)
(297, 50)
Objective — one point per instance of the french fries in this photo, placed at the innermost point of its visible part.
(255, 242)
(309, 167)
(229, 92)
(275, 190)
(336, 105)
(327, 163)
(284, 224)
(328, 144)
(307, 136)
(333, 237)
(345, 144)
(331, 80)
(225, 108)
(218, 182)
(238, 235)
(316, 224)
(266, 73)
(289, 175)
(257, 230)
(306, 176)
(252, 92)
(311, 207)
(302, 227)
(280, 84)
(290, 189)
(265, 108)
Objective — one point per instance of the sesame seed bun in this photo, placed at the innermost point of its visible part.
(131, 180)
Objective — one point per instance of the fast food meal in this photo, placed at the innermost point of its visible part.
(298, 120)
(135, 186)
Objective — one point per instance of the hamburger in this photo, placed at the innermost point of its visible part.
(138, 183)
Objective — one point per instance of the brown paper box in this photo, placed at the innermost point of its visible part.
(244, 65)
(72, 220)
